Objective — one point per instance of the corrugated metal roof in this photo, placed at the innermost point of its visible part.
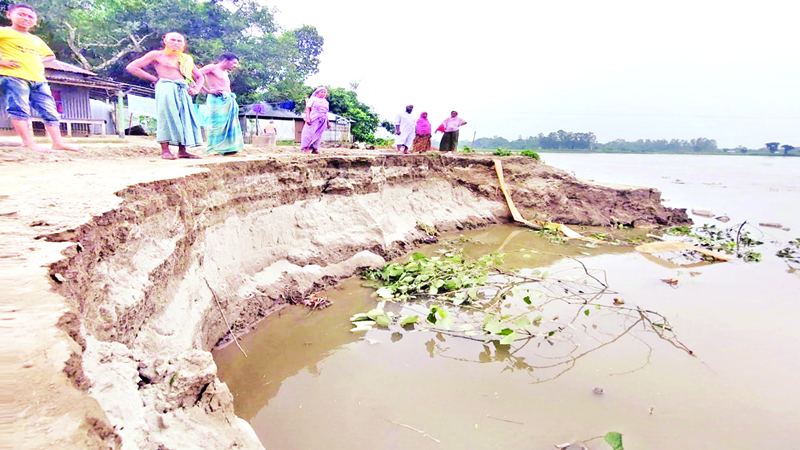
(66, 67)
(267, 111)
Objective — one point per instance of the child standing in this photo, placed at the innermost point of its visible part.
(22, 77)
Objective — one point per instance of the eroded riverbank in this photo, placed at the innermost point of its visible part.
(129, 257)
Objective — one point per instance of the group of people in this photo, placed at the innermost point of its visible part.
(415, 135)
(176, 80)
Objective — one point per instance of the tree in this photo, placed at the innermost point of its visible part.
(772, 146)
(345, 103)
(104, 35)
(787, 148)
(703, 144)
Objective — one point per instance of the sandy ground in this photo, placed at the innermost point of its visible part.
(42, 194)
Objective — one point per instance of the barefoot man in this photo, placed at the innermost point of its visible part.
(225, 133)
(176, 79)
(22, 58)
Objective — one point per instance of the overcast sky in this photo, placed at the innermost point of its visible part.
(622, 69)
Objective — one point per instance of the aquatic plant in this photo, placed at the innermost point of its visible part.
(478, 299)
(423, 276)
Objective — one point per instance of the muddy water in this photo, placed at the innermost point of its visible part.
(311, 384)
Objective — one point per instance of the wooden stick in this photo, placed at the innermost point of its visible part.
(498, 168)
(236, 341)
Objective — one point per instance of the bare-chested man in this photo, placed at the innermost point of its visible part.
(176, 79)
(224, 132)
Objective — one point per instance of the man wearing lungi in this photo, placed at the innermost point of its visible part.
(176, 79)
(224, 133)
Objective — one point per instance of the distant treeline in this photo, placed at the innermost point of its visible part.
(567, 140)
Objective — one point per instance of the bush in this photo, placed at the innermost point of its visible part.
(466, 149)
(531, 154)
(502, 152)
(383, 142)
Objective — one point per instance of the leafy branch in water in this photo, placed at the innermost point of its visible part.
(478, 300)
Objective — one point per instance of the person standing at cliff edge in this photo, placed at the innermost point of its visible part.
(176, 79)
(224, 131)
(22, 58)
(422, 141)
(316, 118)
(404, 127)
(450, 128)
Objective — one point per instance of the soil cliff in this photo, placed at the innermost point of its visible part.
(134, 287)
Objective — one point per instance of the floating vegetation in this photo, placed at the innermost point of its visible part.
(791, 254)
(423, 276)
(479, 300)
(733, 241)
(550, 231)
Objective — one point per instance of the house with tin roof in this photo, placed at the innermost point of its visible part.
(73, 87)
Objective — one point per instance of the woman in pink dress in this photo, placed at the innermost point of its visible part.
(316, 118)
(422, 140)
(450, 128)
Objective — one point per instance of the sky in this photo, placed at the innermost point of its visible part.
(629, 70)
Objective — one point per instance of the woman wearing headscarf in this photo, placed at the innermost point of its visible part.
(422, 140)
(316, 118)
(450, 129)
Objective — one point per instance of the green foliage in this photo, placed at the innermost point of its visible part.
(466, 149)
(365, 121)
(104, 35)
(421, 276)
(550, 231)
(501, 152)
(789, 254)
(531, 154)
(727, 240)
(382, 142)
(734, 240)
(682, 230)
(614, 439)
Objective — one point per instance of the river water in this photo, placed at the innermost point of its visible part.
(310, 383)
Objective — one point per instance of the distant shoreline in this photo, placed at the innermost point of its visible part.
(715, 153)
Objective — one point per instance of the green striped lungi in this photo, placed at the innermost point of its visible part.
(177, 122)
(224, 131)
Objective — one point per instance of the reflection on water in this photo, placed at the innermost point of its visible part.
(311, 384)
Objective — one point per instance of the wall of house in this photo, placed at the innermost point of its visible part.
(284, 127)
(74, 103)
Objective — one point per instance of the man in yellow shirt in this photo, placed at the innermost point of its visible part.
(22, 57)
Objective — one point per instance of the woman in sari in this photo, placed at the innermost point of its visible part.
(450, 129)
(422, 140)
(316, 118)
